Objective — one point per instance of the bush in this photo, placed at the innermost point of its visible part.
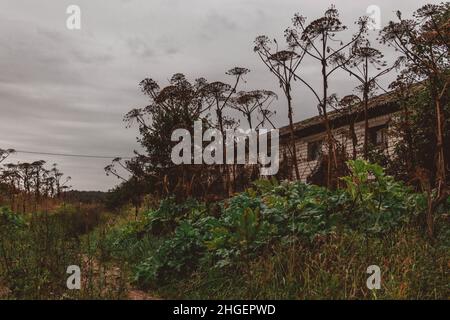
(168, 216)
(177, 256)
(377, 203)
(10, 221)
(122, 241)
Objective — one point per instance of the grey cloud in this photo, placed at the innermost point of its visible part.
(139, 47)
(67, 91)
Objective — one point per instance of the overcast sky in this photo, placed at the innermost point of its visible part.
(66, 91)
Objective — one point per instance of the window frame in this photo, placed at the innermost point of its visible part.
(373, 135)
(318, 147)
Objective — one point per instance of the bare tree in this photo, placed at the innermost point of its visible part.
(283, 64)
(220, 96)
(318, 41)
(252, 103)
(38, 172)
(403, 88)
(61, 183)
(31, 183)
(361, 62)
(424, 43)
(348, 108)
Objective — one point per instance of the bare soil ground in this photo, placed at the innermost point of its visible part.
(114, 279)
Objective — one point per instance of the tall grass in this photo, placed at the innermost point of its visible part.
(37, 248)
(334, 269)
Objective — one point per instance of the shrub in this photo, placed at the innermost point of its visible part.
(10, 221)
(123, 242)
(377, 203)
(177, 256)
(168, 216)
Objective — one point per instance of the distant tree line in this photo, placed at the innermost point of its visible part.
(25, 185)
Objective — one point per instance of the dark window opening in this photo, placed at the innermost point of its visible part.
(314, 149)
(378, 136)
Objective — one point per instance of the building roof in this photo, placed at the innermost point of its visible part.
(382, 104)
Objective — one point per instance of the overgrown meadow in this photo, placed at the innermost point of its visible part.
(290, 240)
(36, 250)
(276, 240)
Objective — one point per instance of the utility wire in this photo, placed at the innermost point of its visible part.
(70, 155)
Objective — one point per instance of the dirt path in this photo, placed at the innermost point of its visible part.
(112, 280)
(135, 294)
(132, 294)
(115, 278)
(4, 292)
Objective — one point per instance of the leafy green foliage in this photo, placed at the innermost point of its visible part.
(178, 255)
(124, 241)
(167, 217)
(272, 215)
(10, 221)
(241, 230)
(378, 203)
